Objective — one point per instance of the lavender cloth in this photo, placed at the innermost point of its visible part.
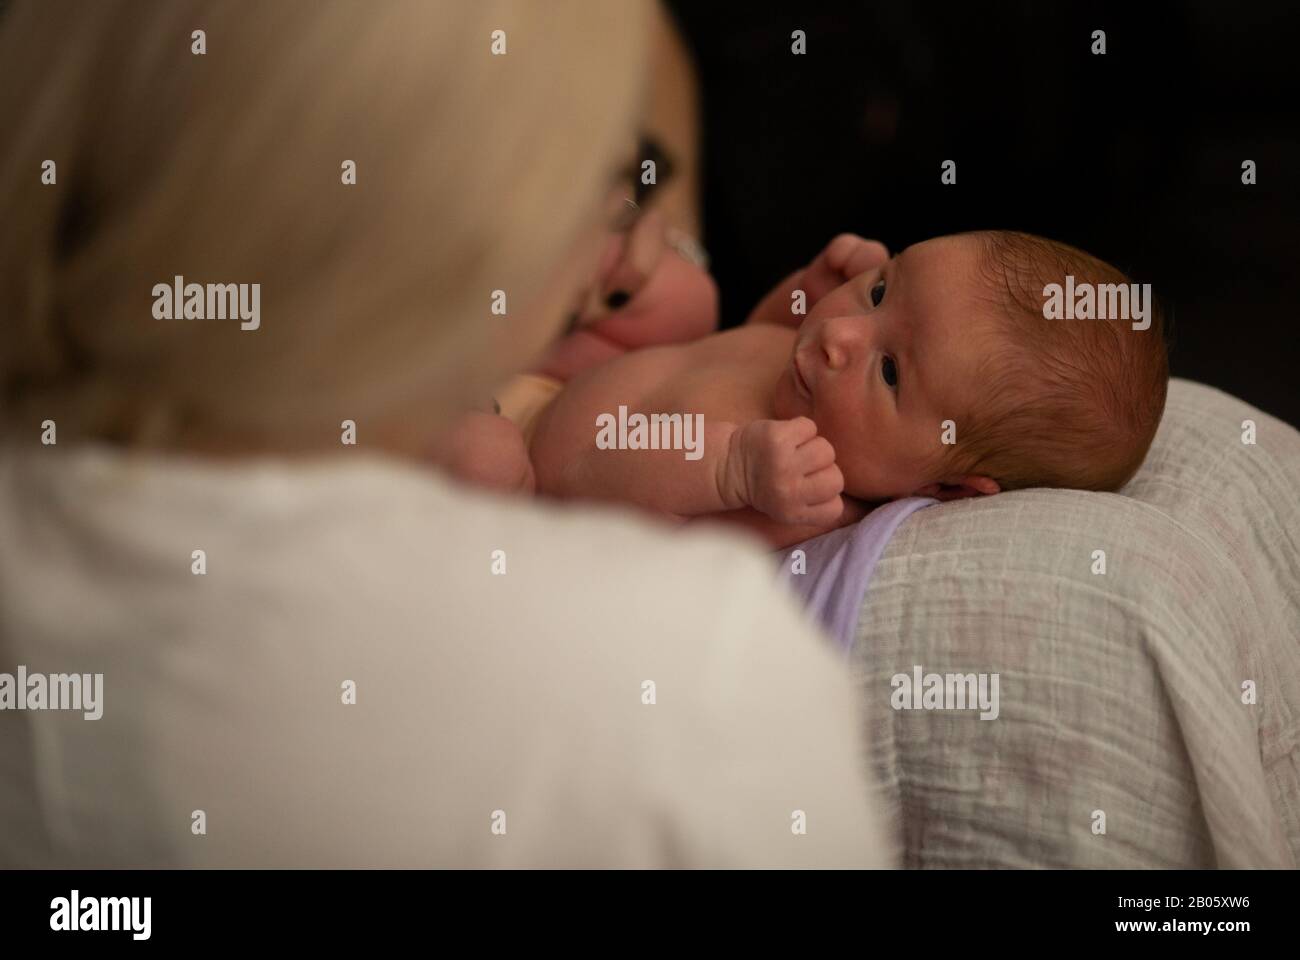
(839, 565)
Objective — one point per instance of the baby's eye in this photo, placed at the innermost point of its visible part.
(878, 293)
(889, 372)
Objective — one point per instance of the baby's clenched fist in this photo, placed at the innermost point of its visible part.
(788, 472)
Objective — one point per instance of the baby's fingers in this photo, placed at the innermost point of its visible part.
(844, 258)
(867, 255)
(824, 514)
(819, 279)
(797, 431)
(824, 485)
(815, 454)
(849, 255)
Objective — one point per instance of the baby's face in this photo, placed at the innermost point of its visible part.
(881, 361)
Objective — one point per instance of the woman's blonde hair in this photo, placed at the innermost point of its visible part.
(475, 172)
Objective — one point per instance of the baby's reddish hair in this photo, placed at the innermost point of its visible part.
(1064, 403)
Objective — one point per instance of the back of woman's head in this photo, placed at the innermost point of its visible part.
(474, 171)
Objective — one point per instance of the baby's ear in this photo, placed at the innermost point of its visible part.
(960, 487)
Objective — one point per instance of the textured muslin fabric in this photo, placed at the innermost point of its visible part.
(1121, 692)
(500, 719)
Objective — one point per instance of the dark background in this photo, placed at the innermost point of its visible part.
(1134, 156)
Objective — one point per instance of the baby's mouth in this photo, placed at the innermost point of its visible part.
(800, 383)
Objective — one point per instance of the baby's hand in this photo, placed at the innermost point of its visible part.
(844, 258)
(788, 472)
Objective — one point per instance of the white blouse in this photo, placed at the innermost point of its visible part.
(369, 666)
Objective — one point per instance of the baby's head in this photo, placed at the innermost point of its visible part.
(954, 329)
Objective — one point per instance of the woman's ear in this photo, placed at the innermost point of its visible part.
(959, 488)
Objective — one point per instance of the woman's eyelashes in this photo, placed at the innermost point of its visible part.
(877, 292)
(889, 372)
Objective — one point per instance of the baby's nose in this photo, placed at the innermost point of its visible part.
(842, 337)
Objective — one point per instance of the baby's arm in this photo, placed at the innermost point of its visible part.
(781, 468)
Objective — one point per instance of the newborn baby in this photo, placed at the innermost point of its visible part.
(930, 373)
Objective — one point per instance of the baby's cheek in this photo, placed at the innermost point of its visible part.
(861, 472)
(853, 453)
(862, 452)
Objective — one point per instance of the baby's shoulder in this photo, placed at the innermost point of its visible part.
(744, 343)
